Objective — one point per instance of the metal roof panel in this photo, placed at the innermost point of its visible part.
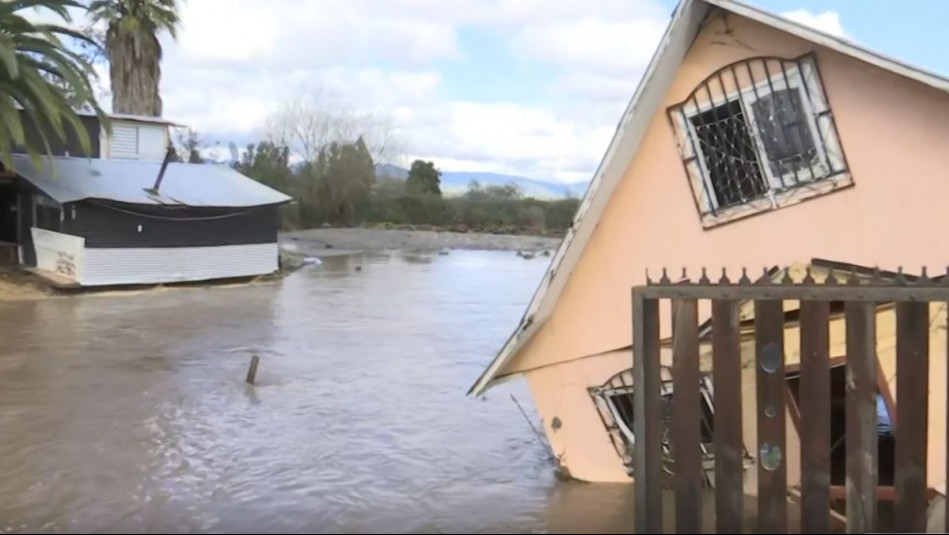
(67, 179)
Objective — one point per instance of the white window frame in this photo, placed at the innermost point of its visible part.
(706, 390)
(811, 94)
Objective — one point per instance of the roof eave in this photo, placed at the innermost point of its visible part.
(839, 44)
(681, 30)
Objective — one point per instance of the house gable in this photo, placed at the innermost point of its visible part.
(132, 139)
(658, 197)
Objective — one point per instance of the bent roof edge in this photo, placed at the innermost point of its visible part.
(682, 29)
(71, 179)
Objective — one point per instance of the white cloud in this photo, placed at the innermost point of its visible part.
(508, 138)
(235, 103)
(237, 60)
(288, 34)
(599, 57)
(593, 44)
(828, 21)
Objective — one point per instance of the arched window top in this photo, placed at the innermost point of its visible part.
(757, 134)
(745, 75)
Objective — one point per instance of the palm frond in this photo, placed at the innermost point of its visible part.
(36, 71)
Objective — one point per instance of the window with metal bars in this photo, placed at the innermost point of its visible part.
(614, 401)
(758, 134)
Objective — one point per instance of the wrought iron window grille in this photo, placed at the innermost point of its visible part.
(758, 134)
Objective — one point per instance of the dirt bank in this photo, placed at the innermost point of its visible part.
(329, 241)
(19, 286)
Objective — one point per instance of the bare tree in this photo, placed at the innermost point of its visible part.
(189, 146)
(381, 137)
(303, 124)
(309, 123)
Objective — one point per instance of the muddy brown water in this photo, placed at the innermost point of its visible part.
(129, 412)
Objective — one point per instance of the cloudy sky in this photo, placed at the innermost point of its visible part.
(529, 87)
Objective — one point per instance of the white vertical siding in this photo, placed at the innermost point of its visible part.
(124, 141)
(59, 253)
(152, 141)
(178, 264)
(138, 141)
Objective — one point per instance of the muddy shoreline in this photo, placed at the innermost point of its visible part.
(18, 285)
(22, 286)
(335, 241)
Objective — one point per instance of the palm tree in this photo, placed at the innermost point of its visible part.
(41, 78)
(134, 51)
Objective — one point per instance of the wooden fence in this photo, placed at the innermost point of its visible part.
(860, 298)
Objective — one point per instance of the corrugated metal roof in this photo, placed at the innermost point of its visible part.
(85, 112)
(130, 181)
(136, 118)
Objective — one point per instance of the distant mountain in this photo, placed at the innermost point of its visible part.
(391, 171)
(456, 182)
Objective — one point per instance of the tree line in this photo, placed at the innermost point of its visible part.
(341, 188)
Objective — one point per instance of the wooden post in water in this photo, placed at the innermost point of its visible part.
(252, 370)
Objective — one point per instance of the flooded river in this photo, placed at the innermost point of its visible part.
(129, 412)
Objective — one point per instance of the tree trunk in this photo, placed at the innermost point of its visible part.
(135, 71)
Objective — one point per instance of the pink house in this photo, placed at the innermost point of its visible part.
(751, 141)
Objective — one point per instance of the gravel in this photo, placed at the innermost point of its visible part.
(334, 241)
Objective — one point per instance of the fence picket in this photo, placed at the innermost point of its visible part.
(815, 410)
(729, 450)
(912, 414)
(686, 431)
(861, 418)
(772, 450)
(647, 415)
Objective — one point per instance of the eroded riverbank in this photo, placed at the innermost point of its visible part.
(334, 241)
(20, 286)
(330, 242)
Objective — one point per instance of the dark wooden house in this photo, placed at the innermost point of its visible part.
(124, 216)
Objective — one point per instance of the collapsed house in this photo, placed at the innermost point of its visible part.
(751, 141)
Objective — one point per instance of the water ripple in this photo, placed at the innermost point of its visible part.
(129, 413)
